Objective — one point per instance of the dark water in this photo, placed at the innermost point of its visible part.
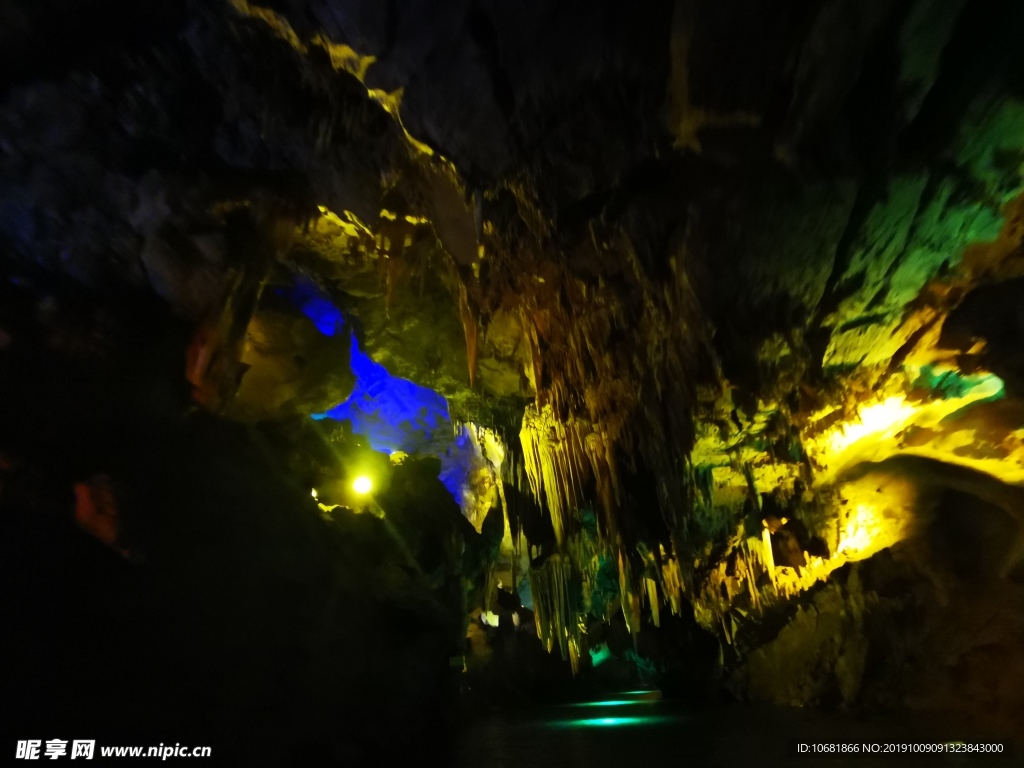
(662, 733)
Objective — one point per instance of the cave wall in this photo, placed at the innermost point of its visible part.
(725, 257)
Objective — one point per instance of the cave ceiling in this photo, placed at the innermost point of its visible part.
(698, 262)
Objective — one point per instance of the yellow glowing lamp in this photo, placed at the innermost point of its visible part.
(362, 485)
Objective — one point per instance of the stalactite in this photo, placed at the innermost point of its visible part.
(554, 464)
(671, 581)
(653, 602)
(392, 267)
(748, 566)
(536, 368)
(556, 608)
(469, 327)
(766, 553)
(599, 452)
(630, 599)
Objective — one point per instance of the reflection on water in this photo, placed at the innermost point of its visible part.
(637, 728)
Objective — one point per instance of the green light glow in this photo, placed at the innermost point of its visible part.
(600, 655)
(614, 703)
(953, 384)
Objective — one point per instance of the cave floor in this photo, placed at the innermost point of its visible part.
(672, 734)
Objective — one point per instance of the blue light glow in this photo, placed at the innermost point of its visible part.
(392, 413)
(456, 462)
(307, 297)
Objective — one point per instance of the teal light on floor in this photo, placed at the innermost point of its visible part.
(610, 722)
(614, 703)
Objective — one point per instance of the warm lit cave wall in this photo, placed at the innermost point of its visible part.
(736, 283)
